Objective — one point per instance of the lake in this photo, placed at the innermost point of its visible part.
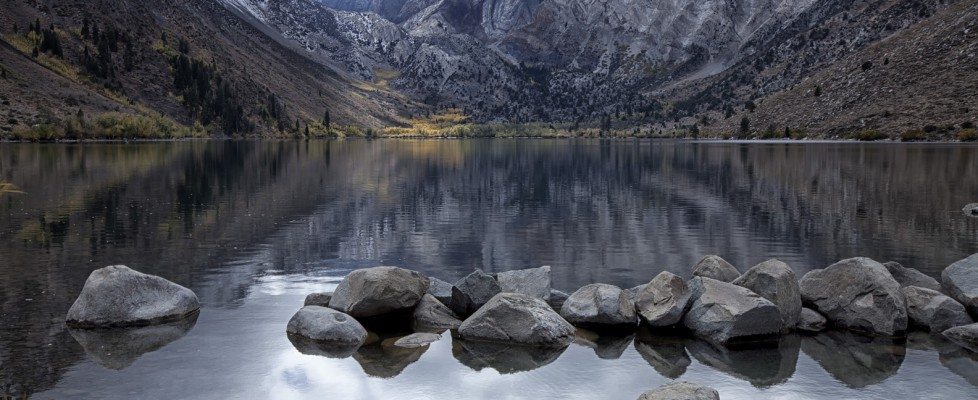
(254, 226)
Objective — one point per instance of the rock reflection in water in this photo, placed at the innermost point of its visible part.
(957, 359)
(505, 358)
(665, 352)
(608, 345)
(383, 359)
(853, 359)
(118, 348)
(313, 348)
(762, 364)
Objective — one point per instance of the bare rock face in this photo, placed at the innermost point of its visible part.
(375, 291)
(472, 291)
(119, 296)
(326, 325)
(857, 294)
(517, 319)
(681, 391)
(716, 268)
(664, 300)
(432, 314)
(723, 312)
(318, 299)
(599, 304)
(911, 277)
(932, 310)
(966, 336)
(961, 282)
(811, 321)
(534, 282)
(775, 281)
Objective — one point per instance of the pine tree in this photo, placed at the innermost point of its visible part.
(326, 120)
(744, 126)
(85, 29)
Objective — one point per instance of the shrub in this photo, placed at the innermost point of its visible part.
(869, 135)
(968, 135)
(913, 135)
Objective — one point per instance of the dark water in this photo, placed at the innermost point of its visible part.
(254, 226)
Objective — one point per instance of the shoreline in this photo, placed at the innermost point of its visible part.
(537, 137)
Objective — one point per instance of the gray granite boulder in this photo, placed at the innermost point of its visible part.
(119, 296)
(441, 290)
(557, 299)
(911, 277)
(318, 299)
(599, 304)
(517, 319)
(716, 268)
(960, 281)
(971, 210)
(811, 321)
(775, 281)
(965, 335)
(418, 339)
(472, 291)
(635, 290)
(664, 300)
(681, 391)
(723, 312)
(376, 291)
(857, 294)
(932, 310)
(533, 282)
(431, 314)
(326, 325)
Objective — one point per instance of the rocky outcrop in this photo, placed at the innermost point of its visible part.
(716, 268)
(441, 290)
(664, 300)
(681, 391)
(431, 314)
(932, 310)
(119, 296)
(775, 281)
(960, 280)
(326, 325)
(533, 282)
(911, 277)
(318, 299)
(418, 339)
(810, 321)
(472, 291)
(599, 304)
(518, 319)
(857, 294)
(966, 336)
(379, 290)
(723, 312)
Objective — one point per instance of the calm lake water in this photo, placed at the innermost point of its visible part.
(253, 227)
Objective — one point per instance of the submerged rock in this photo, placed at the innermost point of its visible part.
(599, 304)
(763, 364)
(418, 339)
(716, 268)
(932, 310)
(472, 292)
(376, 291)
(518, 319)
(856, 360)
(557, 299)
(532, 282)
(117, 348)
(961, 282)
(681, 391)
(664, 300)
(119, 296)
(502, 357)
(911, 277)
(327, 326)
(441, 290)
(318, 299)
(966, 336)
(775, 281)
(857, 294)
(811, 321)
(431, 314)
(723, 312)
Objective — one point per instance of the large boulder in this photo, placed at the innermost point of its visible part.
(318, 299)
(441, 290)
(557, 299)
(431, 314)
(472, 291)
(961, 282)
(681, 391)
(716, 268)
(858, 294)
(723, 312)
(326, 325)
(599, 304)
(775, 281)
(664, 300)
(932, 310)
(533, 282)
(635, 290)
(517, 319)
(911, 277)
(811, 321)
(965, 335)
(376, 291)
(119, 296)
